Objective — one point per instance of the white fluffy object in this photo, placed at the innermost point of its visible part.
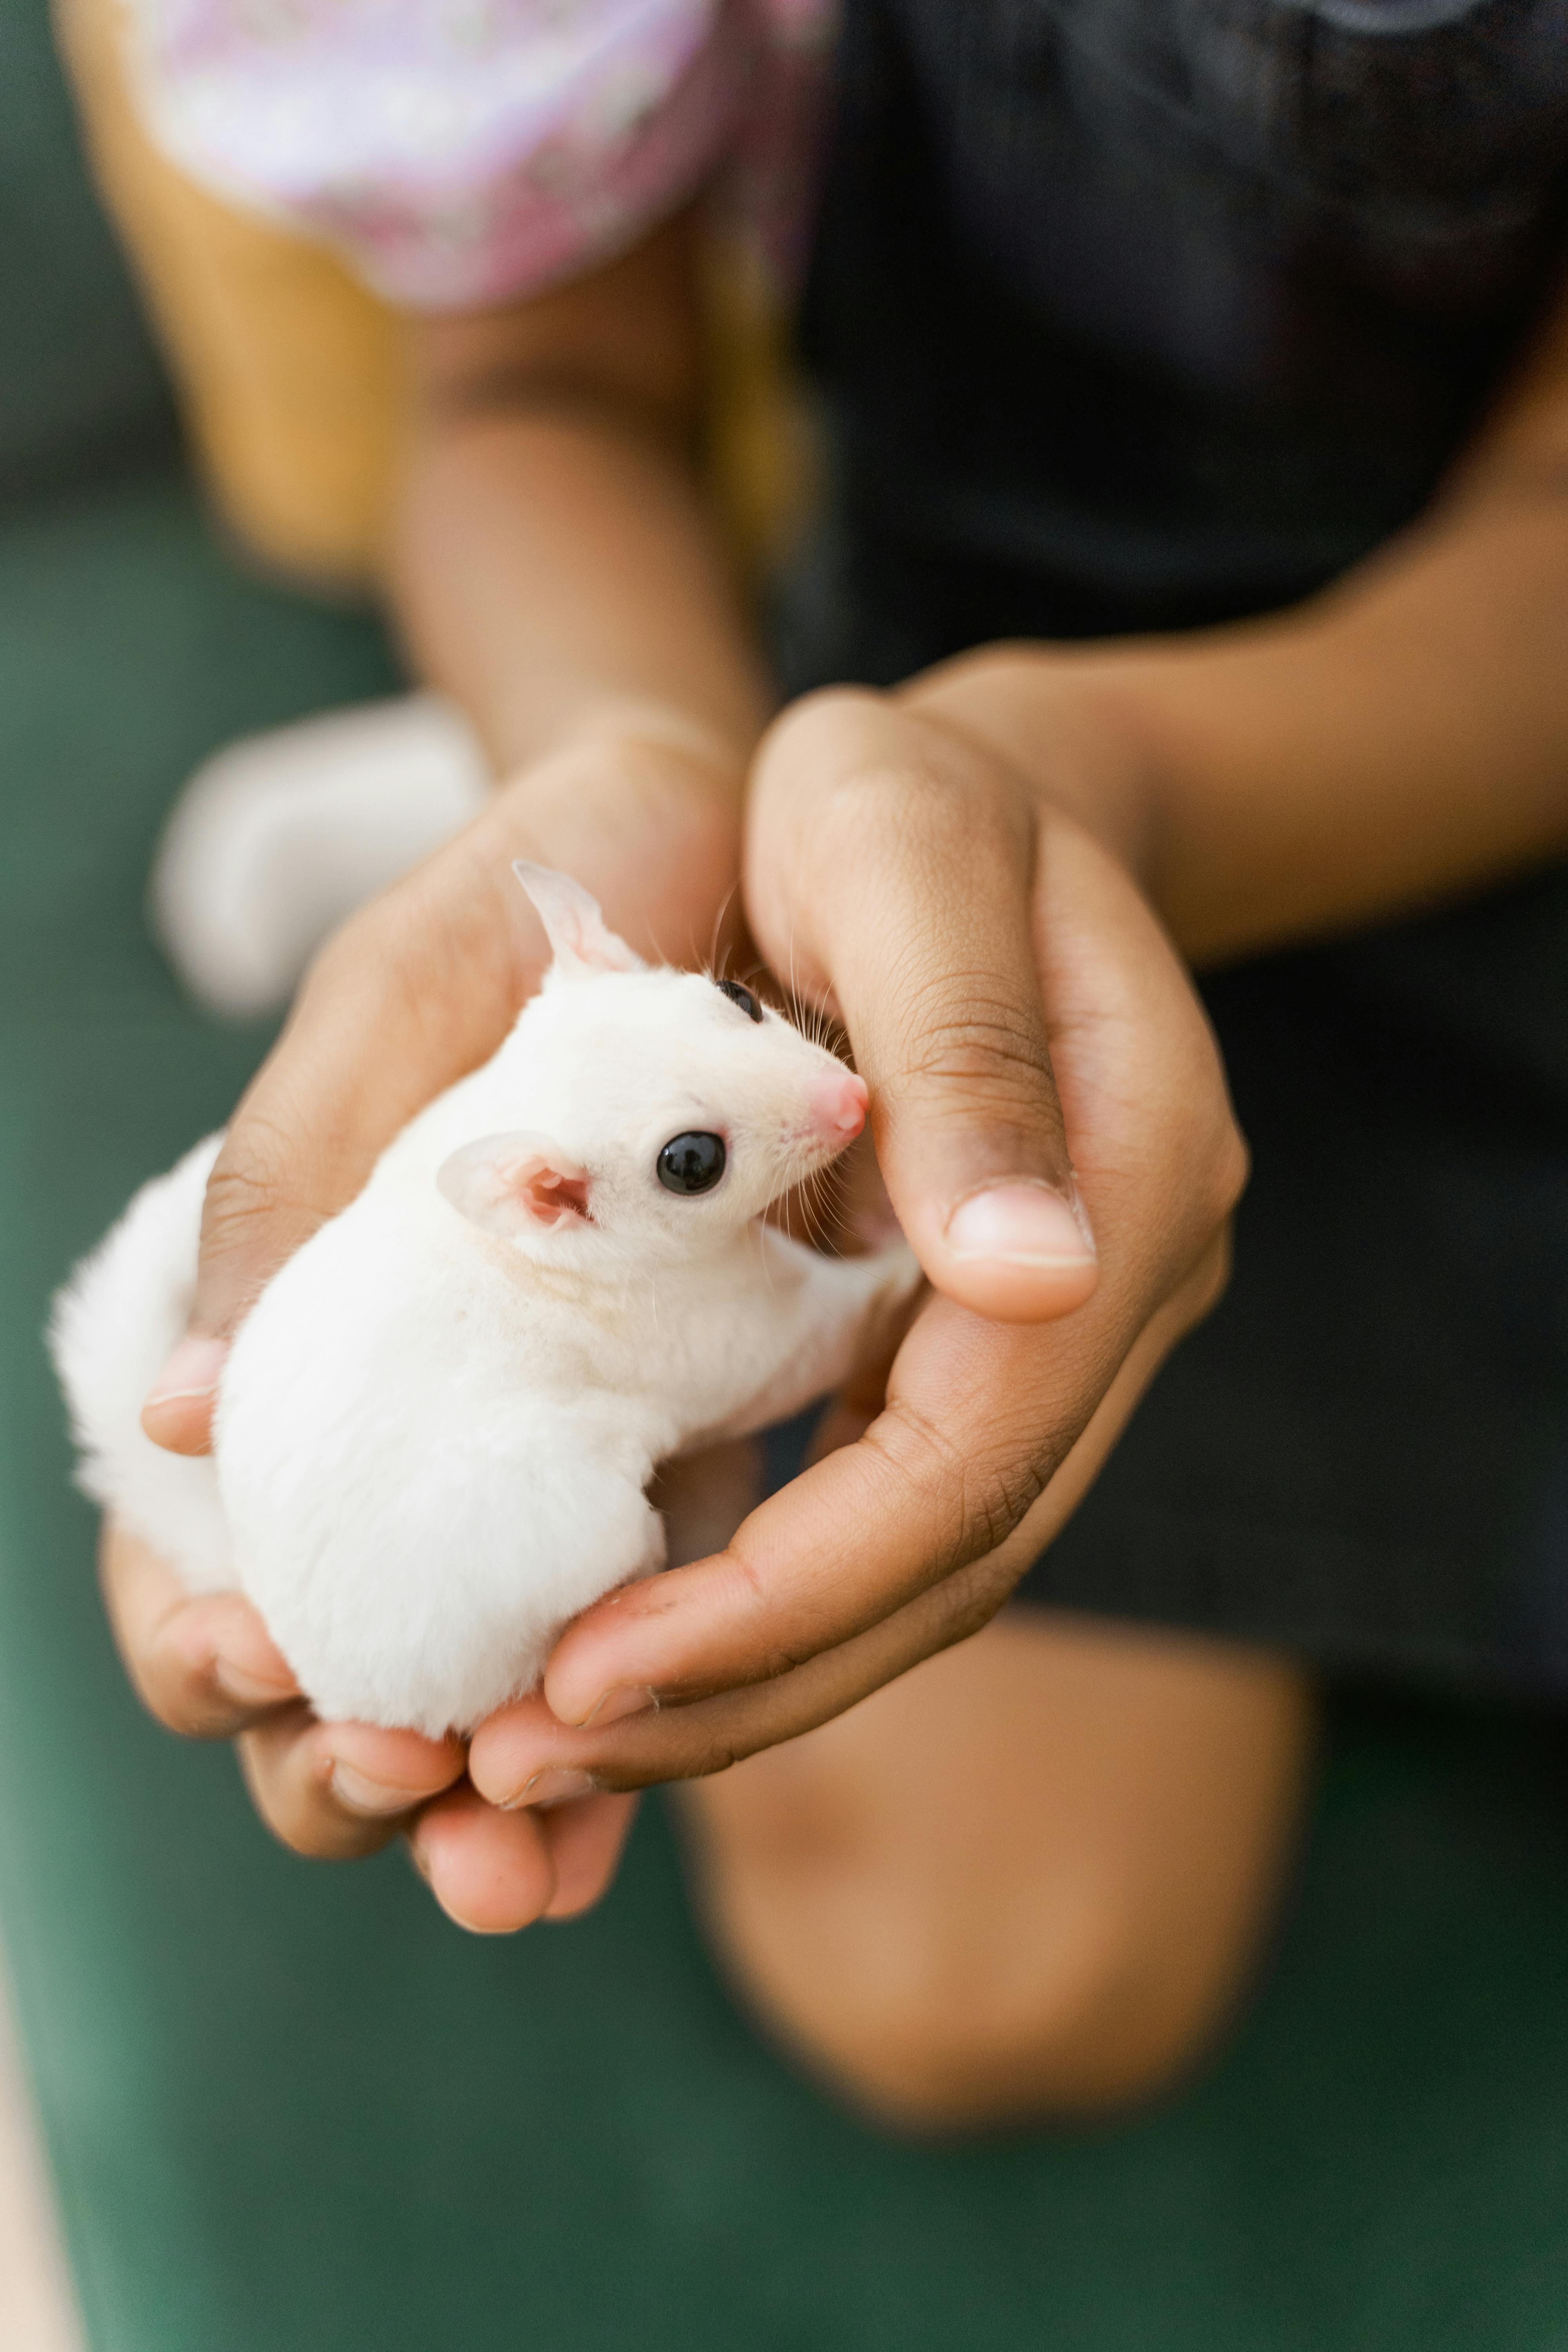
(436, 1428)
(276, 838)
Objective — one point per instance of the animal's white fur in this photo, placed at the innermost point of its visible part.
(278, 837)
(436, 1427)
(110, 1333)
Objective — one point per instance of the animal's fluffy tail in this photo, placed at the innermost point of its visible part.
(112, 1328)
(279, 836)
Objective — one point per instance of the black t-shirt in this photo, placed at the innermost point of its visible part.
(1145, 313)
(1164, 310)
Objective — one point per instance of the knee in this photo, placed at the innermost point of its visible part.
(1028, 1879)
(1084, 2024)
(930, 2021)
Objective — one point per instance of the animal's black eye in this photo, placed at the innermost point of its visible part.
(741, 996)
(691, 1163)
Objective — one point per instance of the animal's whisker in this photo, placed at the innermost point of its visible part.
(717, 969)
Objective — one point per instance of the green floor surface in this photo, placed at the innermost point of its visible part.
(292, 2110)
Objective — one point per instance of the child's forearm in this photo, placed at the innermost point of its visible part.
(1403, 739)
(554, 572)
(1403, 736)
(555, 567)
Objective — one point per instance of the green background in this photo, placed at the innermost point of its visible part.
(289, 2106)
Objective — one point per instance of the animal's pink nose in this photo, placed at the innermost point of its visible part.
(838, 1108)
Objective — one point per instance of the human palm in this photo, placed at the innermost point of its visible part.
(1051, 1122)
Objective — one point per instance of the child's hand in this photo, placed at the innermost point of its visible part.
(1009, 995)
(422, 984)
(420, 987)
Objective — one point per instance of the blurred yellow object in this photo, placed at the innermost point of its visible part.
(287, 369)
(289, 373)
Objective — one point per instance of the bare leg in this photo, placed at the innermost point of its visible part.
(1030, 1878)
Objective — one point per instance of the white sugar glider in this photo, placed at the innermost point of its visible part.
(436, 1428)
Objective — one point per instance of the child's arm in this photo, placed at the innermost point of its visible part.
(556, 565)
(1403, 736)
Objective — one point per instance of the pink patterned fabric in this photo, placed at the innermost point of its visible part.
(460, 152)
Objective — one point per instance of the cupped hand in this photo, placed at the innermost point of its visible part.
(1051, 1120)
(420, 987)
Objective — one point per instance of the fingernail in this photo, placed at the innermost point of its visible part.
(193, 1371)
(1020, 1224)
(619, 1701)
(358, 1795)
(418, 1859)
(555, 1785)
(248, 1690)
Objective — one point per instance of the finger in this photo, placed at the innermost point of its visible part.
(979, 1417)
(205, 1666)
(490, 1872)
(177, 1411)
(523, 1749)
(691, 1740)
(586, 1842)
(890, 872)
(525, 1729)
(333, 1791)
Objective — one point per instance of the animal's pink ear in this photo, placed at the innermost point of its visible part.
(581, 940)
(515, 1184)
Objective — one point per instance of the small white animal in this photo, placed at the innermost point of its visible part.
(435, 1428)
